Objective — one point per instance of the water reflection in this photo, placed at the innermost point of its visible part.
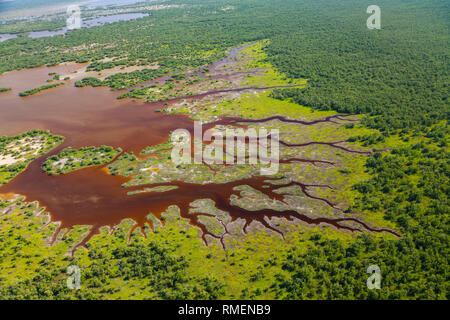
(6, 36)
(88, 23)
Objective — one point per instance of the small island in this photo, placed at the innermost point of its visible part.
(17, 152)
(39, 89)
(74, 159)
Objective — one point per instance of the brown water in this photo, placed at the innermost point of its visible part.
(84, 116)
(93, 117)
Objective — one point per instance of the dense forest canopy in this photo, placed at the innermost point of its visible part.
(389, 73)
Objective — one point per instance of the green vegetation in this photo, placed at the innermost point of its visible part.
(411, 186)
(74, 159)
(113, 266)
(369, 139)
(403, 91)
(39, 89)
(357, 70)
(100, 66)
(24, 26)
(18, 151)
(124, 80)
(90, 81)
(4, 89)
(396, 78)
